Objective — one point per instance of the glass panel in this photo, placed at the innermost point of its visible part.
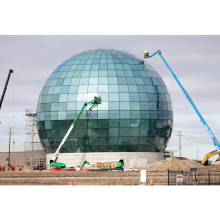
(103, 106)
(82, 97)
(73, 89)
(124, 105)
(113, 114)
(131, 80)
(124, 96)
(103, 81)
(135, 114)
(113, 88)
(62, 115)
(93, 81)
(112, 80)
(59, 82)
(144, 114)
(123, 88)
(94, 73)
(152, 105)
(67, 81)
(54, 106)
(114, 132)
(132, 88)
(57, 90)
(142, 88)
(54, 115)
(75, 81)
(113, 105)
(63, 98)
(65, 89)
(144, 105)
(113, 97)
(82, 89)
(153, 114)
(84, 81)
(62, 106)
(92, 88)
(143, 97)
(139, 81)
(102, 114)
(122, 80)
(72, 97)
(134, 97)
(124, 114)
(103, 88)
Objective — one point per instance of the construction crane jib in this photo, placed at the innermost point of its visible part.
(215, 141)
(97, 100)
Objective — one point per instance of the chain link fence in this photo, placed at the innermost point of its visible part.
(45, 177)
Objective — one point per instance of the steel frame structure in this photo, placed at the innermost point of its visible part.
(34, 151)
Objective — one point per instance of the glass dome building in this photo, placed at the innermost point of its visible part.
(135, 114)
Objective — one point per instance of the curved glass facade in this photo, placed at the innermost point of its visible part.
(135, 114)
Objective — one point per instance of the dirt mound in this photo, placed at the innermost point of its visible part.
(173, 163)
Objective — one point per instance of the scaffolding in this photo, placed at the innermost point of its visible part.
(34, 151)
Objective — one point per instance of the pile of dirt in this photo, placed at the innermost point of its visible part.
(173, 163)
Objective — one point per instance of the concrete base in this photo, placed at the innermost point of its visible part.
(131, 159)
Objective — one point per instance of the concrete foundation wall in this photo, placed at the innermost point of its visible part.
(131, 159)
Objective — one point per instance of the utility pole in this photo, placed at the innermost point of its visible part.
(9, 142)
(179, 142)
(197, 155)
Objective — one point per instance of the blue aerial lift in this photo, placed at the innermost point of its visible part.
(215, 141)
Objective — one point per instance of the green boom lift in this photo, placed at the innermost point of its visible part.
(53, 163)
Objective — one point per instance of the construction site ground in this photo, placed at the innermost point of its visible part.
(157, 171)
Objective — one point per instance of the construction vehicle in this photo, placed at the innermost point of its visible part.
(9, 167)
(207, 156)
(103, 165)
(12, 167)
(215, 141)
(55, 166)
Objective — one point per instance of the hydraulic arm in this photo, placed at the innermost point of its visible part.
(215, 141)
(97, 100)
(4, 90)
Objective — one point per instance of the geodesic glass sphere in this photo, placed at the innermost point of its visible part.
(135, 114)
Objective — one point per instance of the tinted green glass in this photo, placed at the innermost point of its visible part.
(135, 115)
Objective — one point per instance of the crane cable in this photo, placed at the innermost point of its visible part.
(13, 111)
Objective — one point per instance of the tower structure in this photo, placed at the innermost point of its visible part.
(34, 151)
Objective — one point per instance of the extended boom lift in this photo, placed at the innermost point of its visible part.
(97, 100)
(215, 141)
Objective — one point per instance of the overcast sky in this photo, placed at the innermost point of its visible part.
(194, 60)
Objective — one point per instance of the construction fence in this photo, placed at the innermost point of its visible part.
(45, 177)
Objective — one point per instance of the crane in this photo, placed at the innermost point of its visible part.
(214, 139)
(93, 103)
(4, 90)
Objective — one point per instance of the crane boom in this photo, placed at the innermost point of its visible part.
(97, 100)
(215, 141)
(4, 90)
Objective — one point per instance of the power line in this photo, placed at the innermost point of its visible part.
(193, 137)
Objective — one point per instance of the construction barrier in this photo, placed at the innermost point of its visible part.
(84, 169)
(71, 183)
(151, 181)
